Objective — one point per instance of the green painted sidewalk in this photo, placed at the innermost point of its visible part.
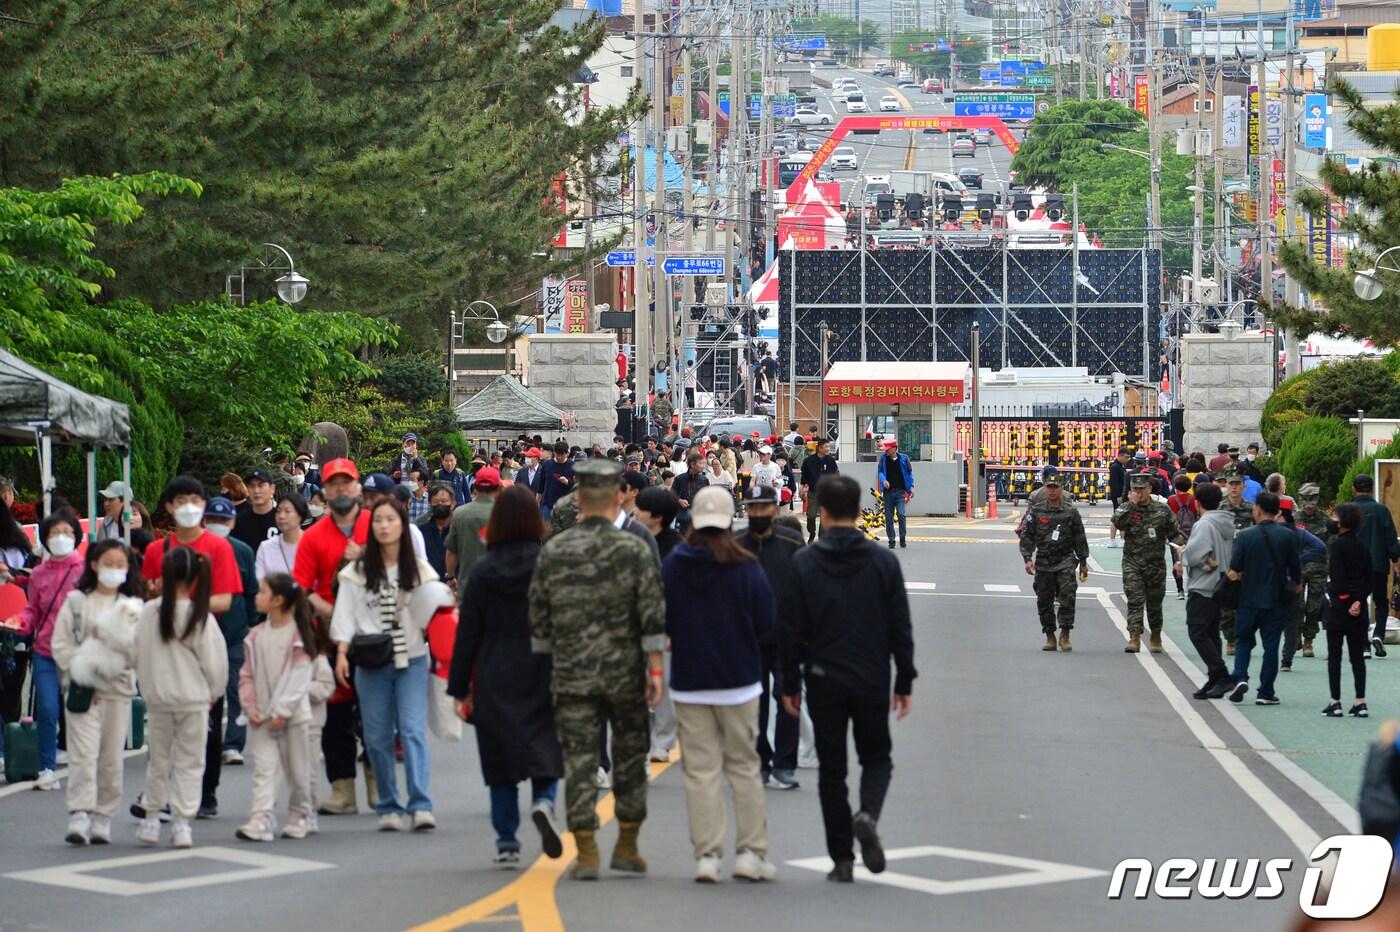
(1330, 749)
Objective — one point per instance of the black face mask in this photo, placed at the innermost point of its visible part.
(442, 511)
(760, 525)
(342, 504)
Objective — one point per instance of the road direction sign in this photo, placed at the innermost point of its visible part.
(694, 265)
(1006, 106)
(1039, 80)
(801, 43)
(627, 258)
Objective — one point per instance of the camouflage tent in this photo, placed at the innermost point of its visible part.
(507, 406)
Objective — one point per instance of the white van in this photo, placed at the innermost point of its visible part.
(844, 157)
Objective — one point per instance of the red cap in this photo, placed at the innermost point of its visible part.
(533, 451)
(738, 438)
(488, 477)
(339, 467)
(1285, 502)
(755, 433)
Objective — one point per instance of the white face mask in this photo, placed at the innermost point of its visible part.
(299, 480)
(316, 510)
(111, 579)
(61, 545)
(412, 486)
(219, 530)
(188, 516)
(531, 462)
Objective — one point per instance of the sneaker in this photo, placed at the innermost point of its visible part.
(754, 867)
(101, 833)
(209, 809)
(1219, 691)
(1285, 668)
(138, 809)
(542, 814)
(423, 821)
(659, 756)
(842, 872)
(60, 757)
(1333, 710)
(1240, 690)
(181, 834)
(891, 545)
(297, 827)
(1266, 700)
(1181, 597)
(601, 779)
(391, 822)
(46, 780)
(148, 832)
(258, 828)
(783, 780)
(903, 543)
(707, 869)
(233, 757)
(79, 827)
(1359, 711)
(808, 761)
(313, 824)
(1230, 650)
(1378, 647)
(508, 860)
(1203, 692)
(872, 855)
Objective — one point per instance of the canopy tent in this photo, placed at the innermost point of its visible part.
(37, 408)
(505, 404)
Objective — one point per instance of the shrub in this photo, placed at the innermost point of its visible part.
(1366, 464)
(1340, 388)
(1317, 450)
(415, 380)
(1286, 407)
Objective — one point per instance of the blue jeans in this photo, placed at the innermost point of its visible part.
(1269, 622)
(505, 809)
(895, 503)
(545, 510)
(235, 734)
(391, 701)
(47, 709)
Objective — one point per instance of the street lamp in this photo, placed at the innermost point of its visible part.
(291, 286)
(1367, 284)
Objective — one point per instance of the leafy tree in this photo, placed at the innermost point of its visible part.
(1286, 407)
(1366, 465)
(908, 47)
(840, 32)
(1318, 449)
(412, 379)
(404, 152)
(1376, 222)
(1340, 388)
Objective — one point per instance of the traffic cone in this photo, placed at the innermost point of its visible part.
(992, 502)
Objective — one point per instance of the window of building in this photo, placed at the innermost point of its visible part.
(1196, 105)
(627, 71)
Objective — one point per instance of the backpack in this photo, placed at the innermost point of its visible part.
(1185, 511)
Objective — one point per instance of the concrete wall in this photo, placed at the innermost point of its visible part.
(576, 373)
(1226, 383)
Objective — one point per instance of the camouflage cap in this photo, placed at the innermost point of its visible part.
(1309, 492)
(1051, 477)
(1140, 480)
(598, 473)
(1232, 474)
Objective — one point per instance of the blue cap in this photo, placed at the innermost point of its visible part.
(220, 507)
(378, 482)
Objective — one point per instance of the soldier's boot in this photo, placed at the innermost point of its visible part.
(625, 856)
(342, 799)
(1154, 641)
(371, 788)
(1064, 639)
(1049, 640)
(589, 861)
(1307, 647)
(1134, 642)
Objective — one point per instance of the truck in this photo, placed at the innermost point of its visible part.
(926, 183)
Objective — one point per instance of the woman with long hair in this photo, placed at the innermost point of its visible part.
(716, 682)
(387, 597)
(279, 554)
(502, 687)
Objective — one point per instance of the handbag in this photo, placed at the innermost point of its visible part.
(79, 698)
(372, 651)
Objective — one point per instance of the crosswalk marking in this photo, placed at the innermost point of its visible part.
(920, 586)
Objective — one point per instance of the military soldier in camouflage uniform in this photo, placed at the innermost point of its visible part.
(1147, 527)
(564, 514)
(1052, 544)
(596, 606)
(1243, 513)
(1314, 519)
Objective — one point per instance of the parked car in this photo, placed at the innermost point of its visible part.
(889, 103)
(971, 177)
(964, 147)
(982, 137)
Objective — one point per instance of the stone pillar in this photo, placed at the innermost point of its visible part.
(577, 373)
(1225, 384)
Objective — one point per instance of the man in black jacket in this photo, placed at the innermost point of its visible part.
(687, 484)
(775, 545)
(1117, 489)
(816, 466)
(845, 615)
(1378, 533)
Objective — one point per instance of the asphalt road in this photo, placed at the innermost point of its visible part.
(1077, 760)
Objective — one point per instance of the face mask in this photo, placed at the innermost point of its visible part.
(188, 516)
(299, 480)
(412, 486)
(442, 511)
(219, 530)
(111, 579)
(408, 451)
(760, 525)
(531, 462)
(316, 510)
(60, 545)
(342, 504)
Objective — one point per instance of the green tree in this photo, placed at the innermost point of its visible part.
(1375, 220)
(404, 152)
(908, 47)
(1341, 388)
(840, 32)
(1286, 407)
(1318, 449)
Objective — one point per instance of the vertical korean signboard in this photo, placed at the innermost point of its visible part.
(1320, 237)
(1278, 193)
(1315, 121)
(576, 305)
(1140, 93)
(552, 304)
(1252, 144)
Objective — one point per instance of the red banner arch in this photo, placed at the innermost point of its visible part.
(851, 123)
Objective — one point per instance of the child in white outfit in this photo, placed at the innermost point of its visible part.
(94, 647)
(274, 688)
(182, 664)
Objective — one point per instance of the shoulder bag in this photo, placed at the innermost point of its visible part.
(79, 697)
(372, 651)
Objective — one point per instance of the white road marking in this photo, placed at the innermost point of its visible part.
(245, 865)
(1029, 871)
(1000, 587)
(920, 586)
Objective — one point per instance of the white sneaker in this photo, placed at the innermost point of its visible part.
(298, 826)
(258, 828)
(148, 832)
(233, 758)
(101, 833)
(601, 779)
(79, 827)
(750, 866)
(391, 822)
(659, 756)
(181, 834)
(808, 761)
(423, 821)
(47, 780)
(313, 824)
(60, 758)
(707, 869)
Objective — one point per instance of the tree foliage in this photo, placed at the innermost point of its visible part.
(1366, 466)
(1318, 449)
(908, 47)
(840, 32)
(403, 152)
(1286, 407)
(1376, 222)
(1341, 388)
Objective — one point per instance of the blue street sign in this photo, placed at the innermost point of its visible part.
(627, 258)
(694, 265)
(801, 43)
(1006, 106)
(990, 75)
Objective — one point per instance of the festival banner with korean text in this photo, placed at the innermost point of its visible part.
(888, 391)
(576, 305)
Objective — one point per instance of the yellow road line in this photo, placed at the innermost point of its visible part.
(533, 892)
(909, 156)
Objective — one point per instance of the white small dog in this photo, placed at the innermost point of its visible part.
(110, 649)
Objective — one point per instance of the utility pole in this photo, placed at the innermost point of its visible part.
(974, 444)
(1266, 175)
(1059, 52)
(688, 126)
(1154, 139)
(1220, 241)
(661, 89)
(738, 117)
(1198, 200)
(641, 275)
(712, 158)
(767, 102)
(1292, 359)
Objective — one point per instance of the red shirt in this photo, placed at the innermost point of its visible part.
(1218, 463)
(224, 578)
(320, 551)
(1183, 500)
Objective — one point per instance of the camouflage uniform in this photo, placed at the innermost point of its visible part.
(1324, 528)
(283, 484)
(564, 514)
(1146, 530)
(596, 606)
(1055, 538)
(1243, 513)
